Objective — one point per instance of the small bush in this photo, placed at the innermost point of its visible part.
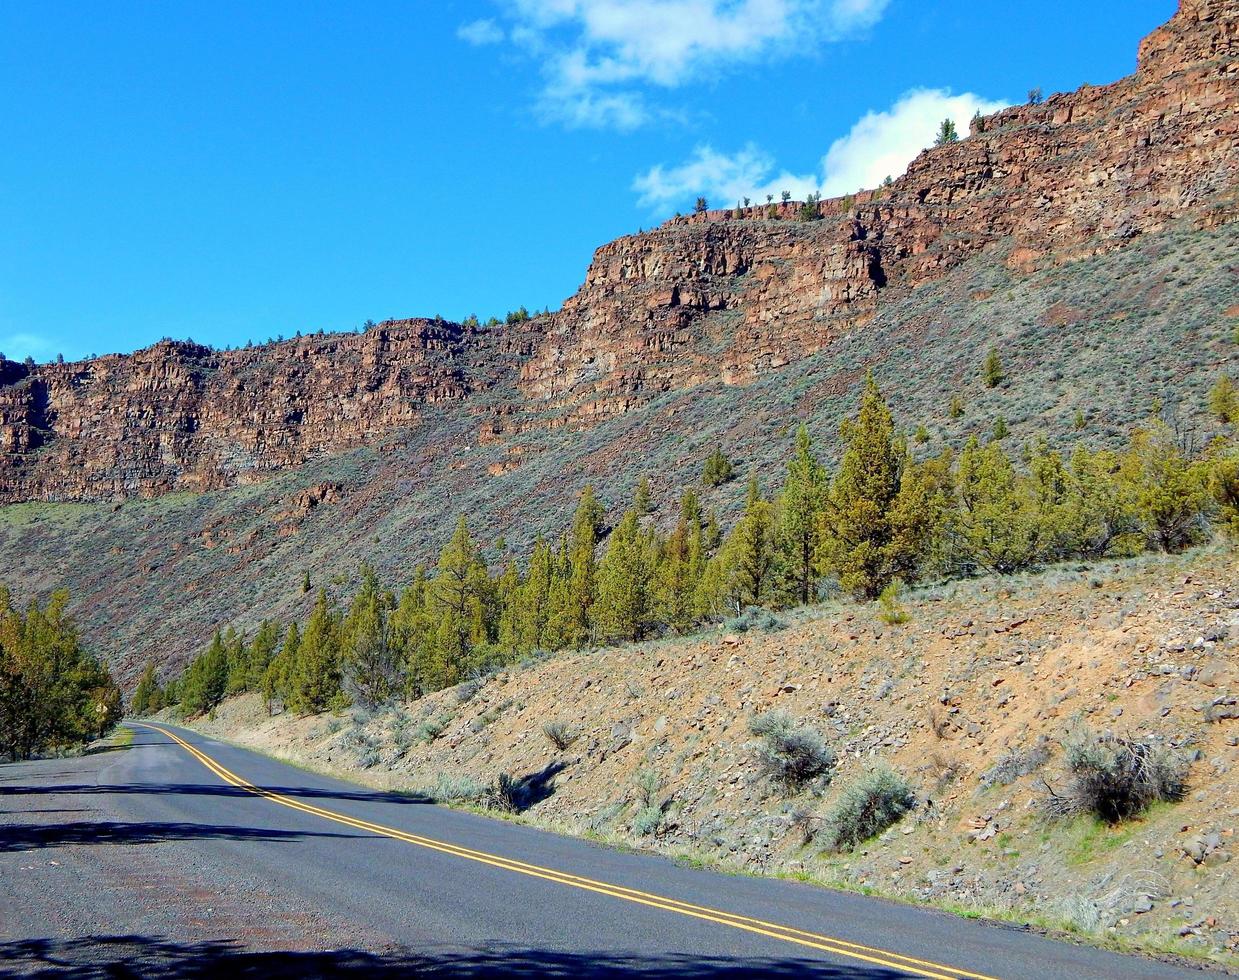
(431, 728)
(754, 618)
(503, 794)
(558, 734)
(466, 690)
(1016, 763)
(890, 610)
(458, 789)
(1116, 778)
(879, 799)
(647, 821)
(791, 754)
(648, 784)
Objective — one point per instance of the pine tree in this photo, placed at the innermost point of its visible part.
(799, 521)
(53, 694)
(577, 588)
(998, 516)
(680, 569)
(277, 679)
(623, 609)
(146, 693)
(533, 600)
(746, 562)
(717, 469)
(314, 678)
(371, 666)
(946, 133)
(1223, 400)
(261, 652)
(460, 602)
(641, 499)
(857, 529)
(992, 372)
(411, 628)
(206, 680)
(1171, 490)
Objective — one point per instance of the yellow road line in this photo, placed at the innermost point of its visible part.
(829, 944)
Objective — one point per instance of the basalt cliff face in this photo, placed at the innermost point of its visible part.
(720, 296)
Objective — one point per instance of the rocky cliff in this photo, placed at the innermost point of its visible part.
(717, 297)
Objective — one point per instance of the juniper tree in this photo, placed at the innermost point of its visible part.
(370, 667)
(856, 529)
(799, 520)
(575, 590)
(991, 371)
(624, 608)
(314, 674)
(747, 558)
(1223, 400)
(946, 133)
(641, 499)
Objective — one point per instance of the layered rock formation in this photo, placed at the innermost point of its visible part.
(713, 297)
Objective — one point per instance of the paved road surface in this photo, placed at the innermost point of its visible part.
(183, 857)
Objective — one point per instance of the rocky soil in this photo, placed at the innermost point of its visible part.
(970, 698)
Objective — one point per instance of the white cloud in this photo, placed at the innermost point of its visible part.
(880, 143)
(883, 143)
(480, 32)
(597, 54)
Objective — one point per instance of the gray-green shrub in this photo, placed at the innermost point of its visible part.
(790, 753)
(877, 800)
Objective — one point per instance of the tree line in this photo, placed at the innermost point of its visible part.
(53, 694)
(882, 518)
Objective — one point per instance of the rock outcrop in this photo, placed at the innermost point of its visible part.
(719, 296)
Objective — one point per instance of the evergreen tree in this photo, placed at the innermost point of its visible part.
(857, 530)
(371, 665)
(277, 679)
(680, 569)
(53, 694)
(747, 561)
(206, 680)
(718, 468)
(146, 694)
(1223, 400)
(799, 521)
(533, 600)
(262, 650)
(641, 499)
(991, 371)
(998, 518)
(1171, 490)
(574, 593)
(623, 609)
(314, 676)
(946, 133)
(457, 603)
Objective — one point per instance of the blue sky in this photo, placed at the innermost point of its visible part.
(234, 171)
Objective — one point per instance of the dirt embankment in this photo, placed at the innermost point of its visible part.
(970, 699)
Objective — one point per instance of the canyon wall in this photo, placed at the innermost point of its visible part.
(719, 296)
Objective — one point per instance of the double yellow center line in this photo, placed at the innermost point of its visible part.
(827, 944)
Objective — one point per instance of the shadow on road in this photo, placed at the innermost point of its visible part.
(204, 789)
(140, 956)
(29, 837)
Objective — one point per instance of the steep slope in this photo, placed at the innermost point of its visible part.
(971, 700)
(1092, 238)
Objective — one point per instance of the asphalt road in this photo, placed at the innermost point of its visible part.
(180, 856)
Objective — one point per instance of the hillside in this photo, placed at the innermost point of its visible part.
(1091, 238)
(971, 699)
